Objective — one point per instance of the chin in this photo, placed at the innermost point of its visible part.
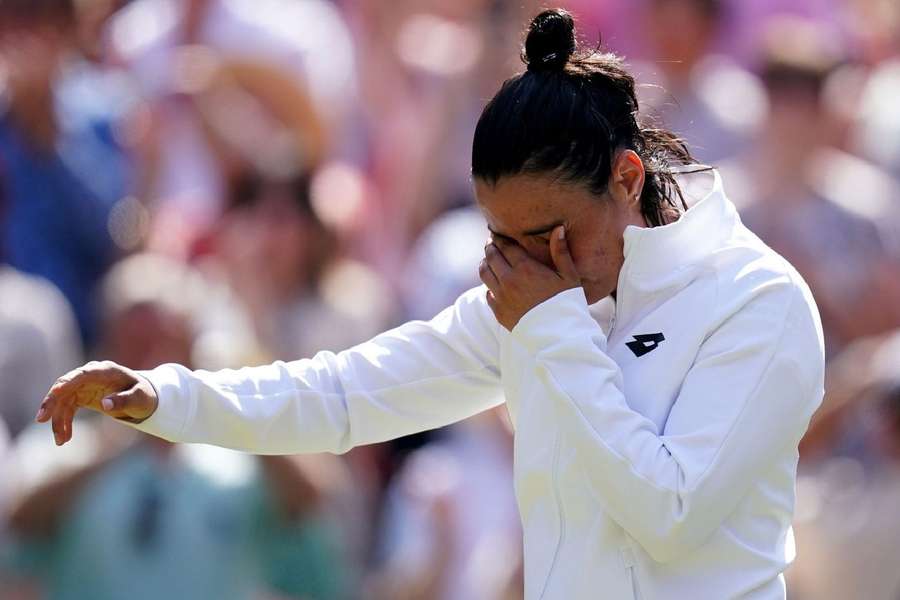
(596, 290)
(594, 295)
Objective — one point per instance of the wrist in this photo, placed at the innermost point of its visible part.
(554, 319)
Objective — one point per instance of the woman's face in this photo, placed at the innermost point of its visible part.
(525, 208)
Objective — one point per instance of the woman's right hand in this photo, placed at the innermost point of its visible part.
(106, 387)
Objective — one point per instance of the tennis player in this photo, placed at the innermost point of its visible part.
(660, 364)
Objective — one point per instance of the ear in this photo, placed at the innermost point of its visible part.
(627, 179)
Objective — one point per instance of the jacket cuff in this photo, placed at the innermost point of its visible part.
(171, 414)
(562, 316)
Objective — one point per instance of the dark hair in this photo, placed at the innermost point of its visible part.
(568, 114)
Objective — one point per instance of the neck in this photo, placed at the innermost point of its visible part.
(670, 214)
(664, 215)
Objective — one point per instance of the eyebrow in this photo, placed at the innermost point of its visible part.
(498, 234)
(545, 229)
(530, 232)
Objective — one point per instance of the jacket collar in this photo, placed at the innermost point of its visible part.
(659, 257)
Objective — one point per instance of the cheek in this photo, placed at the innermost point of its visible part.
(595, 260)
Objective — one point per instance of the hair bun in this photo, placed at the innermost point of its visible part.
(550, 41)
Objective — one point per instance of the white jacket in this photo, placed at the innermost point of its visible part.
(655, 438)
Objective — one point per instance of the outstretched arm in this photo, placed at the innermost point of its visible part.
(418, 376)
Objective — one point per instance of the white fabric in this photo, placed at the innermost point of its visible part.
(666, 475)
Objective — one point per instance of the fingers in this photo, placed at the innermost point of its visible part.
(43, 414)
(492, 301)
(67, 415)
(62, 391)
(487, 276)
(497, 261)
(129, 404)
(55, 396)
(58, 426)
(493, 267)
(61, 413)
(511, 252)
(62, 424)
(562, 258)
(84, 387)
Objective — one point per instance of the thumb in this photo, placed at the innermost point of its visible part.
(562, 258)
(132, 403)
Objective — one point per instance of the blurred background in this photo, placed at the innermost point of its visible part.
(227, 182)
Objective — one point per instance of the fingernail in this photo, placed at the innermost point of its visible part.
(562, 232)
(107, 403)
(40, 414)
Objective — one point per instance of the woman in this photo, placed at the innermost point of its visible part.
(660, 364)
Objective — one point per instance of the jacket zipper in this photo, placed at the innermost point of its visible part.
(628, 559)
(612, 320)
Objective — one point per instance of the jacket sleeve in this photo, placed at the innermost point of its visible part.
(418, 376)
(748, 397)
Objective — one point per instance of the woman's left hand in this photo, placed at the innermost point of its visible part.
(517, 283)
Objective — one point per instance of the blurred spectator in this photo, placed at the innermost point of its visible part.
(878, 133)
(429, 68)
(446, 255)
(748, 20)
(831, 215)
(221, 335)
(285, 265)
(864, 92)
(847, 529)
(231, 85)
(38, 341)
(139, 514)
(453, 530)
(65, 170)
(7, 587)
(700, 94)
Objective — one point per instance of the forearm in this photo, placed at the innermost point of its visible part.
(260, 409)
(416, 377)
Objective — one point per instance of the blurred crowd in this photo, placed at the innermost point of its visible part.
(226, 182)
